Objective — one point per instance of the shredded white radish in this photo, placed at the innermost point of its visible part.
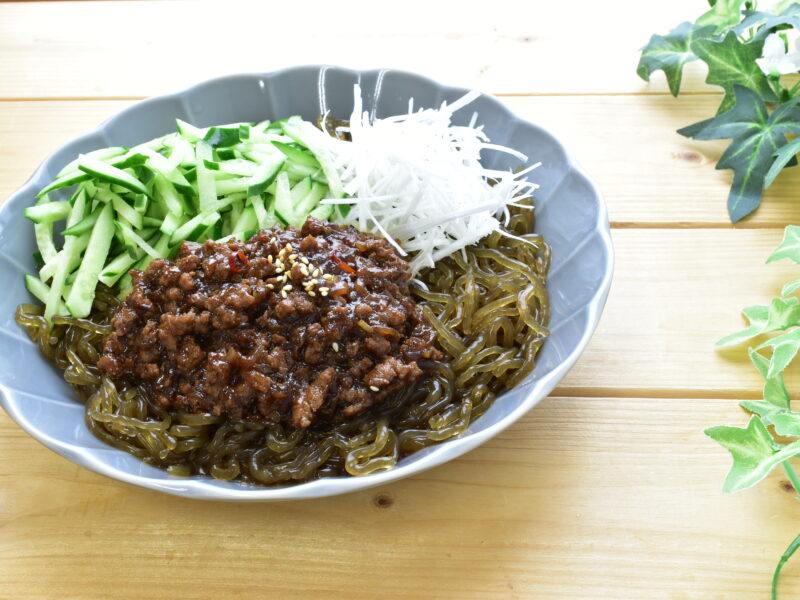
(417, 179)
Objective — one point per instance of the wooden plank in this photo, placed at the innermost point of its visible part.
(146, 48)
(676, 292)
(583, 498)
(651, 175)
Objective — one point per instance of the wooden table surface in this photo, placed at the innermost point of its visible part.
(607, 489)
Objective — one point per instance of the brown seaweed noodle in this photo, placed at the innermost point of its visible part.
(490, 309)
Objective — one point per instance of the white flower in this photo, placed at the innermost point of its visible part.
(775, 60)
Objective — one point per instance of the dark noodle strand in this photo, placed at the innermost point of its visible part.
(488, 305)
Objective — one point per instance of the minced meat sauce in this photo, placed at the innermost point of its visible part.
(292, 326)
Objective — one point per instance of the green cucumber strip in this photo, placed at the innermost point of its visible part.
(298, 156)
(189, 132)
(265, 174)
(48, 271)
(305, 133)
(101, 154)
(141, 203)
(309, 202)
(193, 228)
(79, 300)
(237, 166)
(84, 225)
(226, 203)
(237, 206)
(206, 185)
(106, 172)
(323, 212)
(44, 239)
(118, 267)
(78, 175)
(66, 180)
(257, 202)
(222, 136)
(224, 153)
(133, 239)
(41, 291)
(48, 212)
(284, 208)
(165, 192)
(299, 172)
(69, 254)
(122, 263)
(247, 220)
(211, 165)
(171, 223)
(125, 210)
(152, 222)
(300, 190)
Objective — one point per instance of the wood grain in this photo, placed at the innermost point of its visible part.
(135, 48)
(607, 490)
(580, 499)
(649, 175)
(676, 292)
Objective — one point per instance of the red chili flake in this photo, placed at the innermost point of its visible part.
(342, 265)
(236, 265)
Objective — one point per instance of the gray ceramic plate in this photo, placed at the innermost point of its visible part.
(570, 214)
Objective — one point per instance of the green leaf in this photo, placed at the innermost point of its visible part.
(783, 157)
(768, 22)
(776, 396)
(786, 423)
(790, 287)
(756, 135)
(789, 247)
(754, 453)
(723, 13)
(783, 313)
(669, 53)
(757, 317)
(784, 349)
(732, 62)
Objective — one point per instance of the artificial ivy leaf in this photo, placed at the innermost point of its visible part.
(789, 247)
(757, 317)
(732, 62)
(754, 453)
(669, 53)
(783, 313)
(776, 396)
(784, 349)
(783, 157)
(723, 13)
(786, 423)
(757, 135)
(769, 21)
(790, 287)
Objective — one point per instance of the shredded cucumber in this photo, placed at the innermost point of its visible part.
(134, 205)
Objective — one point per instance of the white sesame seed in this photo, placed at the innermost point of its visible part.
(287, 288)
(304, 260)
(323, 293)
(327, 276)
(270, 286)
(335, 347)
(325, 289)
(283, 294)
(311, 293)
(374, 389)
